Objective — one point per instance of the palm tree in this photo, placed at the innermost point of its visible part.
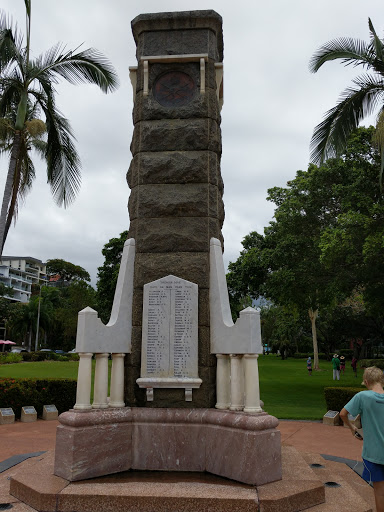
(26, 94)
(365, 97)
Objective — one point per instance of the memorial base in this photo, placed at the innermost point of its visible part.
(245, 448)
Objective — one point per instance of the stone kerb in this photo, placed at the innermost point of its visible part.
(234, 445)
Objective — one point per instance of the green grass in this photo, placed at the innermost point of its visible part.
(285, 386)
(46, 370)
(289, 392)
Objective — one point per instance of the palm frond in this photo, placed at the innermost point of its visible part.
(10, 42)
(63, 163)
(351, 51)
(375, 41)
(330, 136)
(88, 66)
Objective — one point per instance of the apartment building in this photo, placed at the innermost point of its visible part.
(20, 273)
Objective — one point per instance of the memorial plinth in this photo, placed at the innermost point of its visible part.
(234, 445)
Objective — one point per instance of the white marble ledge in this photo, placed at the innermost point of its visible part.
(169, 382)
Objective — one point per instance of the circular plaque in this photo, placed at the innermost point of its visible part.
(174, 89)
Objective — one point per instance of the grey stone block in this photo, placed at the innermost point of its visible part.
(176, 135)
(175, 167)
(193, 266)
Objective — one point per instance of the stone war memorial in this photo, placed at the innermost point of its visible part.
(180, 425)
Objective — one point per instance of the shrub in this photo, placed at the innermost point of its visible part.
(365, 363)
(304, 355)
(74, 357)
(10, 357)
(17, 393)
(337, 397)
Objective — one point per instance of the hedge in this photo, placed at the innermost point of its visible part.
(365, 363)
(304, 355)
(18, 393)
(336, 398)
(10, 357)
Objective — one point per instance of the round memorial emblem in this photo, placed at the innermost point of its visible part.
(174, 89)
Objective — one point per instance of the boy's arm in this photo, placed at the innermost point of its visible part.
(344, 417)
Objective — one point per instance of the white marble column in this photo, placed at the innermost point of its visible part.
(100, 388)
(84, 381)
(223, 381)
(251, 384)
(117, 381)
(237, 383)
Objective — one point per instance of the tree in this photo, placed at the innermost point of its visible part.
(357, 102)
(107, 275)
(67, 271)
(307, 258)
(27, 94)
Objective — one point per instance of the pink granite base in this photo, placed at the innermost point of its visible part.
(235, 445)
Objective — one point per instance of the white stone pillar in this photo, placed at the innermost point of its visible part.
(84, 381)
(237, 383)
(117, 381)
(252, 389)
(223, 382)
(100, 388)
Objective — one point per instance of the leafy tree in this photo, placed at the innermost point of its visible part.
(357, 102)
(74, 298)
(27, 94)
(108, 273)
(68, 271)
(293, 264)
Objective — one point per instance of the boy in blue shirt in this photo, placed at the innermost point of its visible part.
(370, 405)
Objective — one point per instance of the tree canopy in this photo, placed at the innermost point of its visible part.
(325, 239)
(67, 271)
(108, 273)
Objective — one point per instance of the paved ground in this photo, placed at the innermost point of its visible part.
(305, 436)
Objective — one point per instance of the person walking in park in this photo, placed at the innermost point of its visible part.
(370, 405)
(336, 367)
(354, 365)
(309, 365)
(342, 365)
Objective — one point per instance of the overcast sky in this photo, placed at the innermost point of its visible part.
(271, 105)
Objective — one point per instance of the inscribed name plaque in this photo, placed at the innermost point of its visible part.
(6, 416)
(332, 418)
(170, 336)
(28, 414)
(50, 412)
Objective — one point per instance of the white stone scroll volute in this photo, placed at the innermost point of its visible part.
(243, 337)
(115, 337)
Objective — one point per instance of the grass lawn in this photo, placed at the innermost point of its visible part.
(288, 392)
(46, 370)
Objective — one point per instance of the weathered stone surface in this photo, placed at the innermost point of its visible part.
(184, 32)
(176, 234)
(137, 306)
(189, 200)
(176, 135)
(204, 307)
(205, 356)
(175, 167)
(192, 266)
